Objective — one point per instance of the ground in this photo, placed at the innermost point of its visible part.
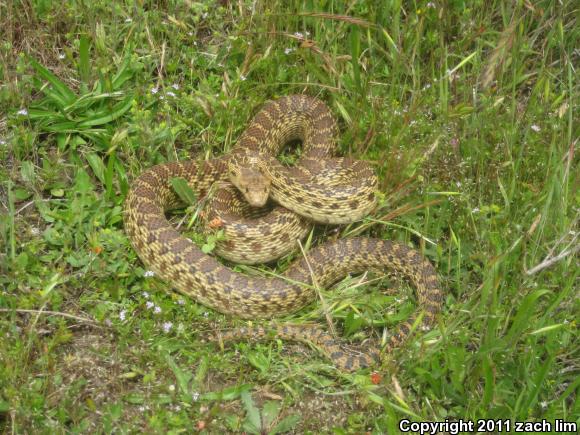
(468, 111)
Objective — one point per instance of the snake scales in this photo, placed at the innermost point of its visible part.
(180, 262)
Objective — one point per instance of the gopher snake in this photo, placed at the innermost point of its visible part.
(180, 262)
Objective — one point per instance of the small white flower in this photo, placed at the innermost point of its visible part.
(61, 56)
(172, 387)
(206, 314)
(475, 210)
(536, 128)
(190, 34)
(157, 309)
(544, 404)
(148, 274)
(162, 97)
(288, 50)
(154, 90)
(204, 15)
(2, 142)
(175, 86)
(242, 77)
(181, 301)
(299, 34)
(129, 20)
(307, 33)
(427, 86)
(122, 314)
(141, 408)
(167, 326)
(171, 94)
(34, 231)
(23, 112)
(149, 305)
(195, 396)
(145, 295)
(194, 42)
(431, 4)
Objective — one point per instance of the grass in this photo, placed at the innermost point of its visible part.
(469, 111)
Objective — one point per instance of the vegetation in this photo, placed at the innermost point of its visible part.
(469, 110)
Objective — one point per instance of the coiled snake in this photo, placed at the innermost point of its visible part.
(254, 170)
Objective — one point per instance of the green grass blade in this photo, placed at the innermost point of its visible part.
(109, 175)
(122, 177)
(355, 54)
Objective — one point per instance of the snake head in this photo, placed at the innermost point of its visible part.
(254, 185)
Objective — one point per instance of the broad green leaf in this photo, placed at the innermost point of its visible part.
(122, 177)
(182, 376)
(21, 194)
(260, 361)
(185, 193)
(525, 311)
(84, 65)
(68, 95)
(124, 74)
(36, 114)
(97, 166)
(352, 323)
(27, 172)
(87, 100)
(62, 140)
(286, 425)
(230, 393)
(83, 183)
(208, 247)
(253, 422)
(54, 98)
(270, 411)
(134, 398)
(104, 117)
(63, 127)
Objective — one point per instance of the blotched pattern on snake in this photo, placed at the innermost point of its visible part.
(317, 188)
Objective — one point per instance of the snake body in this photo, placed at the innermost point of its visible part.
(180, 262)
